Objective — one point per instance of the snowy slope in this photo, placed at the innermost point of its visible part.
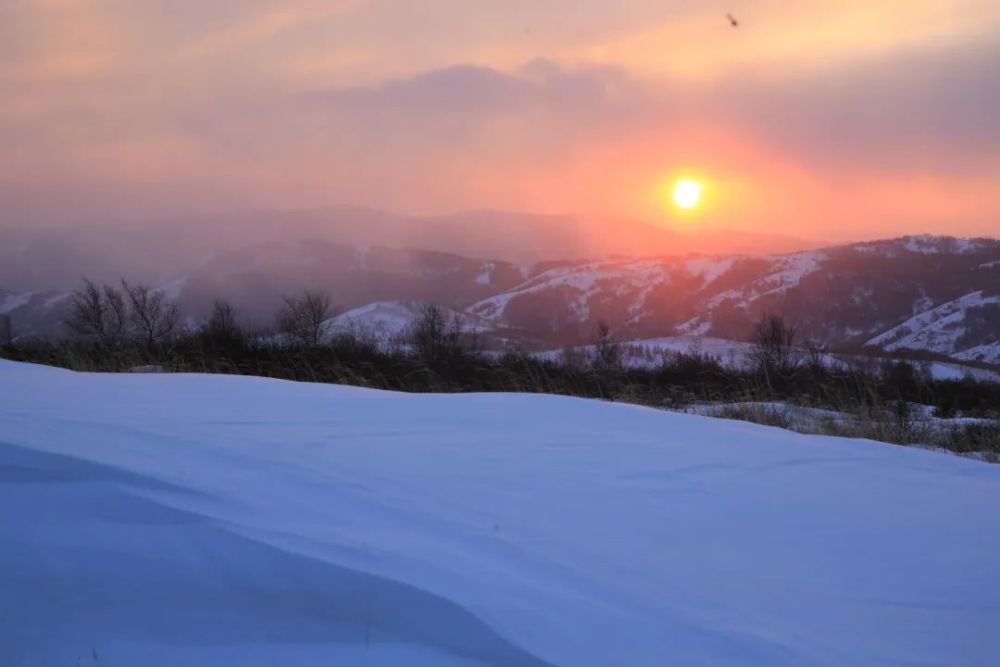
(634, 281)
(216, 520)
(940, 329)
(392, 319)
(784, 273)
(580, 282)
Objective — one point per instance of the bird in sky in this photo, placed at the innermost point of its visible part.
(732, 21)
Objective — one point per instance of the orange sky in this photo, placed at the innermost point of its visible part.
(827, 120)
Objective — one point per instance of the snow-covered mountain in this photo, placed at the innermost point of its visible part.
(893, 294)
(393, 320)
(935, 294)
(204, 521)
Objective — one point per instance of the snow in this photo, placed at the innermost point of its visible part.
(804, 419)
(923, 244)
(386, 319)
(926, 244)
(13, 301)
(218, 520)
(785, 272)
(944, 371)
(485, 276)
(695, 327)
(733, 355)
(584, 280)
(988, 352)
(709, 268)
(937, 329)
(55, 299)
(390, 320)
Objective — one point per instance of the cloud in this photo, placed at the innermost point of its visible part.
(913, 111)
(933, 109)
(223, 101)
(263, 25)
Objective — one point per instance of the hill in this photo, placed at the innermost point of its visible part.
(218, 520)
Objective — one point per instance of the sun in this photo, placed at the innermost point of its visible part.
(687, 193)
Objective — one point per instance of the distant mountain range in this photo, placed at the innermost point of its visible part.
(54, 257)
(934, 294)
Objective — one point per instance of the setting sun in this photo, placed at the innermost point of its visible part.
(687, 193)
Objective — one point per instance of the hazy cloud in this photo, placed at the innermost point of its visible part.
(128, 106)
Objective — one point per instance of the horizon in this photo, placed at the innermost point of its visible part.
(234, 214)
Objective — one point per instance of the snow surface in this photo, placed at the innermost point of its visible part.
(218, 520)
(988, 352)
(709, 268)
(384, 318)
(938, 329)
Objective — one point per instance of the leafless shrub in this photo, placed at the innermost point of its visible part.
(221, 325)
(816, 357)
(758, 413)
(435, 336)
(99, 313)
(304, 317)
(6, 330)
(116, 315)
(152, 316)
(607, 351)
(88, 310)
(772, 352)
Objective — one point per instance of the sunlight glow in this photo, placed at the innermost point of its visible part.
(687, 193)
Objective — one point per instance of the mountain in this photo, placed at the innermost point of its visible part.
(845, 295)
(54, 257)
(933, 294)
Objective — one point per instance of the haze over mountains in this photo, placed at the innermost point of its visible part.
(53, 256)
(935, 294)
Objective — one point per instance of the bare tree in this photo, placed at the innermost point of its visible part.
(435, 336)
(773, 351)
(116, 315)
(573, 357)
(221, 326)
(304, 317)
(816, 355)
(87, 311)
(607, 351)
(6, 330)
(99, 313)
(151, 315)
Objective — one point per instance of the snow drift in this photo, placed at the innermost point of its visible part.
(212, 520)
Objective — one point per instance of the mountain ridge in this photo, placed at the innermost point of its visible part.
(926, 293)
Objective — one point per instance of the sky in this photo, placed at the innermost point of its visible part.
(826, 119)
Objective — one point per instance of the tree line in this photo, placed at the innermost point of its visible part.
(118, 327)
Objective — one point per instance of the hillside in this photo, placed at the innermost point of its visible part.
(218, 520)
(933, 294)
